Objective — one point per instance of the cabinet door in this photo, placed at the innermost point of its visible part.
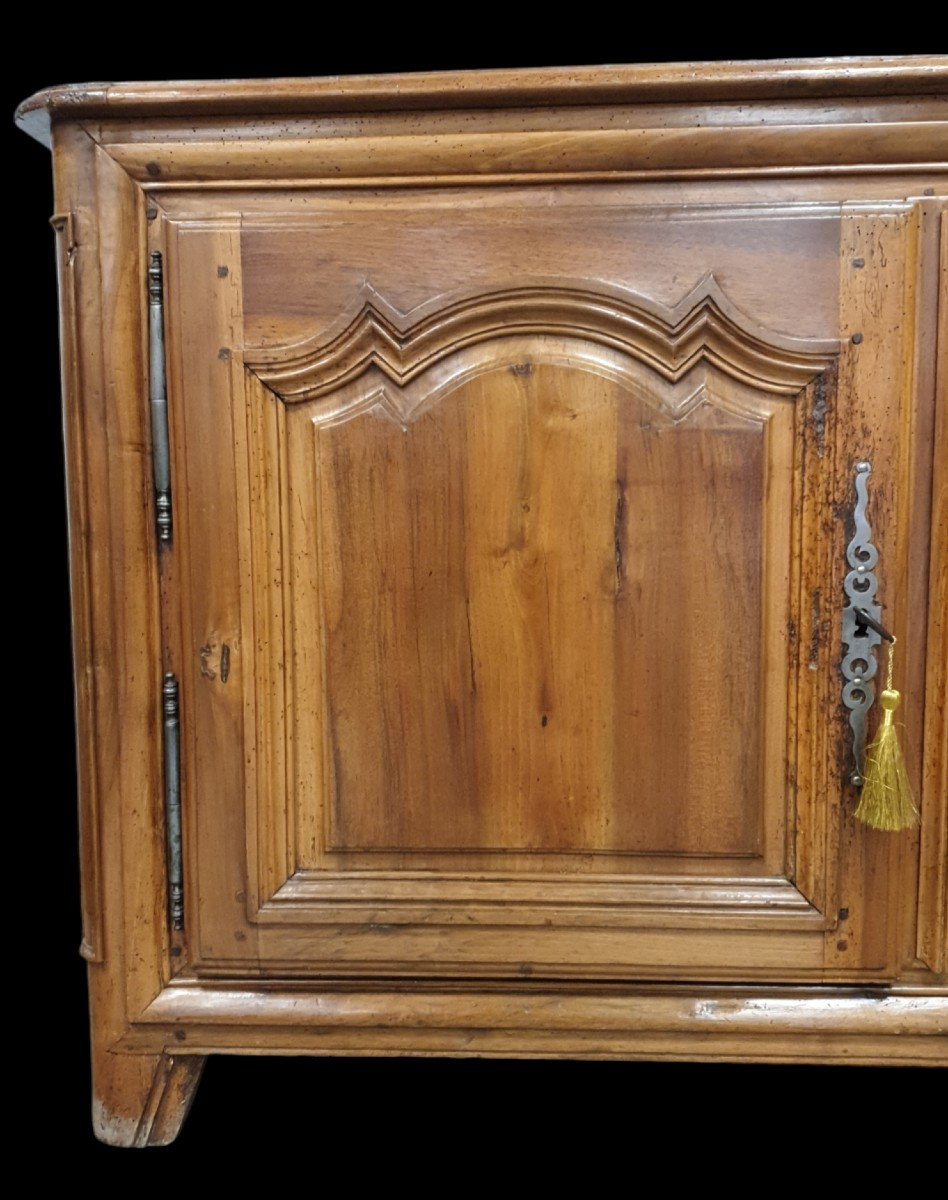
(506, 583)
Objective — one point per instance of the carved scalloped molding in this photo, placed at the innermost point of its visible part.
(377, 345)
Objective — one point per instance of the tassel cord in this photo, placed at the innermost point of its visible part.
(887, 802)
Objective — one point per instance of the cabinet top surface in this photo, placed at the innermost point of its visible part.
(774, 79)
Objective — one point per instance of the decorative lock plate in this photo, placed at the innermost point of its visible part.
(861, 629)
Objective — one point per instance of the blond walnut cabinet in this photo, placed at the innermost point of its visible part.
(486, 654)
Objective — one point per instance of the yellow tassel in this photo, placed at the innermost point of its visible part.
(887, 801)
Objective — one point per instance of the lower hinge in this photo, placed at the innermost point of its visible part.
(172, 762)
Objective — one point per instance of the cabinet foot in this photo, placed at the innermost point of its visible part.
(142, 1100)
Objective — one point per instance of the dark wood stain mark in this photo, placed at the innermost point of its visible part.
(544, 720)
(524, 369)
(337, 771)
(815, 630)
(618, 529)
(222, 272)
(206, 651)
(223, 354)
(225, 662)
(818, 414)
(152, 168)
(470, 651)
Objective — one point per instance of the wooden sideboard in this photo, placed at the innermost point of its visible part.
(463, 475)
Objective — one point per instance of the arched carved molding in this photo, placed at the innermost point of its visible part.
(373, 392)
(376, 354)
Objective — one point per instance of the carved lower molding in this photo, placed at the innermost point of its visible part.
(376, 343)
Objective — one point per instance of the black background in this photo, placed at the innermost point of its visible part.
(509, 1122)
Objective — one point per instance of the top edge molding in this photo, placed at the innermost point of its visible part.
(771, 79)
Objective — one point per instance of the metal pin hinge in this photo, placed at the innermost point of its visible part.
(158, 399)
(172, 758)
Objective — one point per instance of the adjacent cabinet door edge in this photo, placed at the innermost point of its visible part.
(933, 874)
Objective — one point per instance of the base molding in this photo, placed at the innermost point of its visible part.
(816, 1025)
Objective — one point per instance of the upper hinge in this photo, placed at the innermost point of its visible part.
(158, 397)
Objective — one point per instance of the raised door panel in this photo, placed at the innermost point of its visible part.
(509, 593)
(511, 589)
(503, 619)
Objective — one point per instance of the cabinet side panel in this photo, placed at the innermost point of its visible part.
(73, 228)
(114, 588)
(125, 587)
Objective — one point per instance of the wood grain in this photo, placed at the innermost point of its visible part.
(213, 711)
(69, 265)
(647, 153)
(449, 121)
(779, 272)
(511, 593)
(877, 323)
